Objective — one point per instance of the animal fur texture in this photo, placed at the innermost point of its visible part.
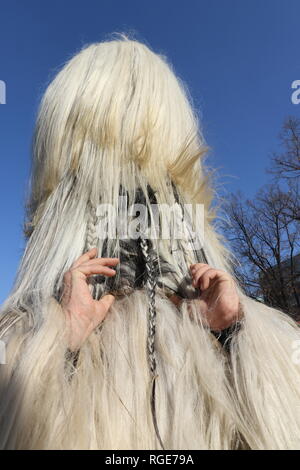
(117, 118)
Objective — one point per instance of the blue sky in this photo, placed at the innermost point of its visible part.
(238, 58)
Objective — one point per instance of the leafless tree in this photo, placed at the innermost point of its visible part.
(286, 164)
(265, 238)
(264, 233)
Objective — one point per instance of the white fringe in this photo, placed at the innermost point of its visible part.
(206, 398)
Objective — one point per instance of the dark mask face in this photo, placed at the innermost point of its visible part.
(137, 255)
(131, 272)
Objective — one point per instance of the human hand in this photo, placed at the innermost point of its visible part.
(83, 313)
(219, 300)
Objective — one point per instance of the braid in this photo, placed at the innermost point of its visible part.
(91, 241)
(151, 286)
(91, 230)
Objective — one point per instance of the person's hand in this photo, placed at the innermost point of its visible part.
(83, 313)
(219, 300)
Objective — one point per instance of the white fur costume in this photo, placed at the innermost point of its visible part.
(116, 115)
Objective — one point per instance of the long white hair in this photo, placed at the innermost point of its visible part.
(117, 116)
